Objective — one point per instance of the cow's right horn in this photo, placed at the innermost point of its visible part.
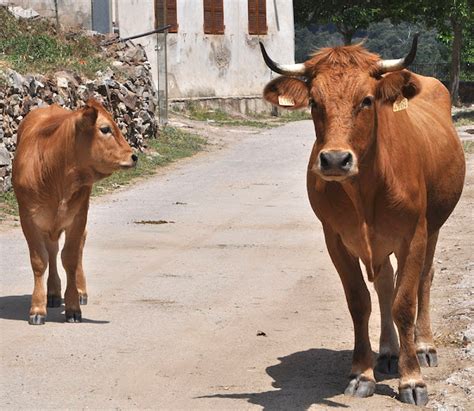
(285, 69)
(400, 64)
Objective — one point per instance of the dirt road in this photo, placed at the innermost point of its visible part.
(175, 309)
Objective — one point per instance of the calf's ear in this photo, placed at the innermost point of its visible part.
(88, 116)
(397, 84)
(287, 92)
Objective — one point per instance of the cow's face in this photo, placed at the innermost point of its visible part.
(100, 144)
(343, 96)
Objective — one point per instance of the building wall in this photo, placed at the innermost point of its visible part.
(71, 12)
(204, 65)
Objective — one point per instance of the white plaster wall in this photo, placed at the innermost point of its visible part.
(203, 65)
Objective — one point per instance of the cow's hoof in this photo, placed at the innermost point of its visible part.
(83, 299)
(387, 364)
(417, 395)
(37, 319)
(427, 358)
(360, 386)
(54, 301)
(73, 317)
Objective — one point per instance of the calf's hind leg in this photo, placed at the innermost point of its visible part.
(39, 262)
(70, 257)
(54, 282)
(80, 276)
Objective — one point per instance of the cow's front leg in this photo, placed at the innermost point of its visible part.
(387, 361)
(362, 382)
(70, 257)
(425, 347)
(412, 388)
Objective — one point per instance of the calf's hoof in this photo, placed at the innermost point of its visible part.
(53, 301)
(417, 395)
(387, 364)
(37, 319)
(360, 386)
(73, 317)
(427, 357)
(83, 299)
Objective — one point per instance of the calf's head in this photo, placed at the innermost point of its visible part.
(343, 87)
(99, 143)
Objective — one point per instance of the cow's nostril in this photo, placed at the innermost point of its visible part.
(346, 161)
(134, 158)
(323, 159)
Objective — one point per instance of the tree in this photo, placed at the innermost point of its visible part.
(347, 16)
(454, 20)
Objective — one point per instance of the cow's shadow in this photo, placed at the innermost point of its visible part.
(303, 379)
(16, 307)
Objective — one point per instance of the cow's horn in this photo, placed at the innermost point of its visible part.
(400, 64)
(285, 69)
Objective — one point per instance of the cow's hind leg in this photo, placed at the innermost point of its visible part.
(362, 382)
(425, 347)
(80, 276)
(412, 388)
(54, 282)
(387, 361)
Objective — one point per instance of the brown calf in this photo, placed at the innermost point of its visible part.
(386, 171)
(59, 155)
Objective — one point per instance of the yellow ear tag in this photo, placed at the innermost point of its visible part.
(286, 101)
(400, 105)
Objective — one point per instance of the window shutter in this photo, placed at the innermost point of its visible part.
(214, 17)
(262, 17)
(257, 16)
(165, 13)
(159, 13)
(253, 20)
(172, 15)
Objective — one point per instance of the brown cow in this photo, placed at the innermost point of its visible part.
(386, 171)
(60, 154)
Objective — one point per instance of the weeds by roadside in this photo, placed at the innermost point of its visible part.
(222, 118)
(29, 46)
(172, 144)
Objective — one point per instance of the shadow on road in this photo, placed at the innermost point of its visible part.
(17, 307)
(305, 378)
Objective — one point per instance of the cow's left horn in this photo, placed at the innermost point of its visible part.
(285, 69)
(400, 64)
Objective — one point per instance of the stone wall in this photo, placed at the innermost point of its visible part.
(126, 90)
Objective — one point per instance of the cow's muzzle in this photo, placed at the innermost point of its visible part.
(336, 164)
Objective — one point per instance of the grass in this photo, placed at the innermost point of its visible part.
(221, 118)
(468, 147)
(29, 46)
(171, 145)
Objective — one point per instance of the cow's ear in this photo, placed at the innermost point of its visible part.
(397, 84)
(88, 116)
(287, 92)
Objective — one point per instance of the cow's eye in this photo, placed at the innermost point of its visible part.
(367, 102)
(105, 130)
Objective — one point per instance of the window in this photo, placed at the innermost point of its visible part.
(257, 16)
(165, 13)
(214, 16)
